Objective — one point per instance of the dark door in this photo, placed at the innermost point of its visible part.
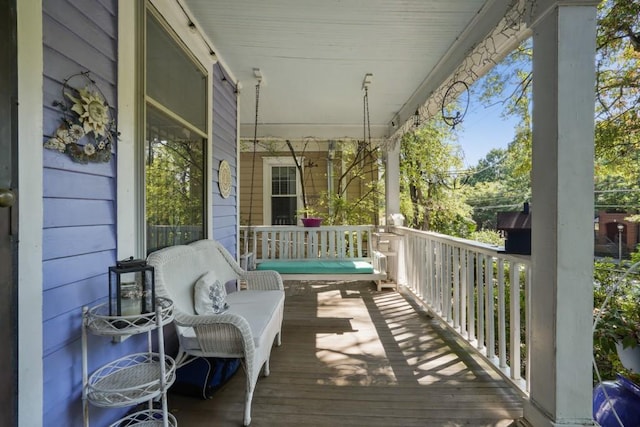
(8, 215)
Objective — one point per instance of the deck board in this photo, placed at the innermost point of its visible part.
(353, 356)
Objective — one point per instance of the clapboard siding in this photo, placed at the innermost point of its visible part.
(224, 148)
(63, 271)
(92, 23)
(66, 298)
(64, 68)
(68, 358)
(75, 212)
(80, 50)
(54, 160)
(72, 241)
(64, 407)
(226, 211)
(62, 183)
(61, 331)
(79, 227)
(110, 5)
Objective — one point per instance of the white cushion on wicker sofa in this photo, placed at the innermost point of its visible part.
(246, 330)
(258, 307)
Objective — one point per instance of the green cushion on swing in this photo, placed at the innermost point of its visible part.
(317, 267)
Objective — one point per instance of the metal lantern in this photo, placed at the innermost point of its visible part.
(132, 288)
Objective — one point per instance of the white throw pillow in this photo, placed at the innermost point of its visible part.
(209, 295)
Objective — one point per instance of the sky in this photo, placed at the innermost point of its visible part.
(483, 129)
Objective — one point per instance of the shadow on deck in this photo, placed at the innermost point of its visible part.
(353, 356)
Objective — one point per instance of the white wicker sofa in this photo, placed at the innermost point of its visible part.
(246, 330)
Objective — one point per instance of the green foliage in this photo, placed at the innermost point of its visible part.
(359, 175)
(489, 169)
(498, 184)
(619, 319)
(488, 236)
(357, 191)
(617, 89)
(174, 183)
(501, 181)
(617, 122)
(431, 194)
(616, 190)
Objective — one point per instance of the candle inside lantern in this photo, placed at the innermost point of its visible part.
(130, 299)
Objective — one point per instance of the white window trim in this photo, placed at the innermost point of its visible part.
(30, 172)
(129, 200)
(267, 164)
(131, 239)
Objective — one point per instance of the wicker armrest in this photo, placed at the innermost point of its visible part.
(265, 280)
(221, 333)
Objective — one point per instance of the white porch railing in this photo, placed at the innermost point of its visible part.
(467, 284)
(290, 242)
(470, 287)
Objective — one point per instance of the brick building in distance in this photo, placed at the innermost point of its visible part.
(608, 234)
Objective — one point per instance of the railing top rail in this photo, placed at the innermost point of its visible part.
(258, 228)
(484, 248)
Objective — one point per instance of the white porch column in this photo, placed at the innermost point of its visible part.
(392, 180)
(562, 214)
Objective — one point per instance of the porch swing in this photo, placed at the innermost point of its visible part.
(328, 253)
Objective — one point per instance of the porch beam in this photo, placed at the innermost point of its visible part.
(562, 220)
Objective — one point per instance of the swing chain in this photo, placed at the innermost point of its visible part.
(253, 163)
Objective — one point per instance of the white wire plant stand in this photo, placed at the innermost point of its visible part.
(133, 379)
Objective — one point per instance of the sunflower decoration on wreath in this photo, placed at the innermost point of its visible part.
(87, 130)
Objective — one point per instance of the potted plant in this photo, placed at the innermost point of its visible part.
(616, 345)
(618, 327)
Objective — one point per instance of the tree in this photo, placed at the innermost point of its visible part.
(618, 84)
(489, 168)
(357, 190)
(356, 195)
(174, 187)
(431, 193)
(617, 122)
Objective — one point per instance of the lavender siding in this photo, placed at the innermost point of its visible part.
(224, 148)
(79, 229)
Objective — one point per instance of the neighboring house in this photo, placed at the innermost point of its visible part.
(609, 234)
(271, 185)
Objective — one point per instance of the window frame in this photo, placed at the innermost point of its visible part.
(267, 164)
(149, 101)
(130, 209)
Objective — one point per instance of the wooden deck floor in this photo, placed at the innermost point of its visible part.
(352, 356)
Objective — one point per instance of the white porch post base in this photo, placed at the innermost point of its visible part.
(560, 343)
(535, 417)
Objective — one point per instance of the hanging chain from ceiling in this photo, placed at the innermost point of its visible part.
(255, 144)
(369, 148)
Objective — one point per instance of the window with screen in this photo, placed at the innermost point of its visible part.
(176, 141)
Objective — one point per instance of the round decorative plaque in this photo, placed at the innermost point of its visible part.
(224, 179)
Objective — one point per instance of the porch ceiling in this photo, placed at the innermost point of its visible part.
(313, 56)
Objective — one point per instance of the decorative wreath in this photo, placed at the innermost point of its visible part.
(224, 179)
(87, 129)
